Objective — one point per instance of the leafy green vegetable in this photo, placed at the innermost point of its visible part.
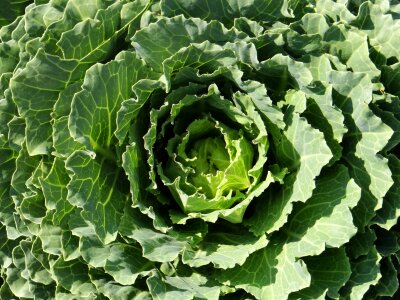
(170, 149)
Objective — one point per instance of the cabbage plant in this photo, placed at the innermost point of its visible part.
(199, 149)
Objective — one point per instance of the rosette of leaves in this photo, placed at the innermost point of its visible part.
(199, 149)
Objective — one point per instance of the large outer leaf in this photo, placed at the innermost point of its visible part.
(63, 143)
(388, 215)
(101, 199)
(54, 187)
(365, 272)
(328, 223)
(7, 167)
(94, 109)
(351, 47)
(223, 249)
(156, 246)
(185, 287)
(226, 10)
(376, 22)
(125, 264)
(93, 40)
(321, 111)
(301, 146)
(154, 43)
(370, 135)
(73, 276)
(325, 278)
(54, 74)
(42, 80)
(73, 12)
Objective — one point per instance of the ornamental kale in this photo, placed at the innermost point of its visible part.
(173, 149)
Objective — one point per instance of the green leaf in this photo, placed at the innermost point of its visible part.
(361, 243)
(73, 276)
(154, 43)
(130, 108)
(5, 291)
(24, 167)
(38, 17)
(93, 251)
(351, 47)
(93, 40)
(125, 264)
(374, 21)
(50, 236)
(63, 143)
(94, 109)
(364, 273)
(35, 269)
(388, 284)
(322, 114)
(225, 11)
(69, 246)
(32, 208)
(114, 291)
(387, 107)
(6, 247)
(97, 36)
(42, 78)
(12, 9)
(73, 13)
(16, 133)
(134, 168)
(390, 78)
(388, 215)
(54, 187)
(328, 222)
(304, 147)
(19, 286)
(156, 246)
(334, 10)
(369, 136)
(193, 287)
(325, 277)
(7, 167)
(9, 56)
(225, 248)
(101, 199)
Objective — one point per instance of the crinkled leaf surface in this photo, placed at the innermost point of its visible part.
(170, 149)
